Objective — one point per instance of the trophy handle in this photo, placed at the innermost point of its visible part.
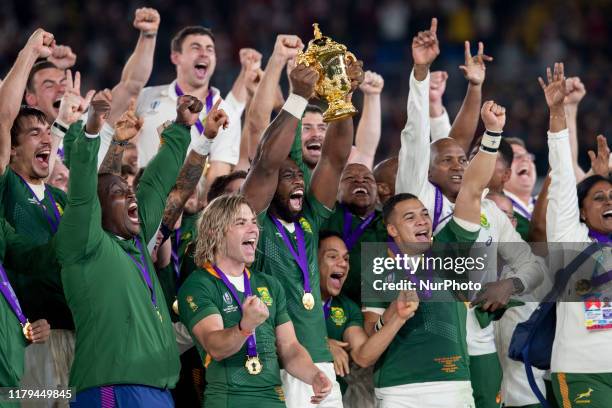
(350, 56)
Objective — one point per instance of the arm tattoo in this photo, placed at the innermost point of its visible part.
(188, 178)
(112, 161)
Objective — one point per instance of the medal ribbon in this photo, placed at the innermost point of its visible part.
(300, 256)
(350, 236)
(605, 277)
(209, 104)
(11, 298)
(175, 252)
(599, 237)
(53, 221)
(251, 340)
(144, 270)
(394, 250)
(327, 308)
(437, 209)
(522, 210)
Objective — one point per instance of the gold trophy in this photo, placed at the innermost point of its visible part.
(330, 58)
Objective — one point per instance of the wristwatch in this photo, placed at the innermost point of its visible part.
(518, 286)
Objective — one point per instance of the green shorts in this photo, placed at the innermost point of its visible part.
(486, 377)
(583, 390)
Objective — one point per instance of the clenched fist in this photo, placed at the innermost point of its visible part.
(146, 20)
(216, 119)
(372, 83)
(287, 47)
(188, 110)
(41, 43)
(100, 109)
(303, 80)
(62, 57)
(128, 124)
(406, 304)
(254, 313)
(493, 116)
(354, 70)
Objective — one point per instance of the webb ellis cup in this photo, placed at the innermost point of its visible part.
(330, 58)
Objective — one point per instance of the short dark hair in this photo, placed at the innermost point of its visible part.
(516, 141)
(506, 153)
(177, 41)
(39, 66)
(313, 109)
(586, 185)
(218, 186)
(324, 234)
(389, 206)
(24, 113)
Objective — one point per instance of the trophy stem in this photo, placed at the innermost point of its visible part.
(338, 109)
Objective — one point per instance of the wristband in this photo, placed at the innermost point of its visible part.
(202, 145)
(242, 331)
(120, 142)
(490, 141)
(295, 105)
(149, 34)
(58, 124)
(165, 231)
(379, 324)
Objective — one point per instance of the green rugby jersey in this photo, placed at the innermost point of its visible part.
(228, 382)
(297, 156)
(344, 313)
(431, 346)
(375, 232)
(275, 259)
(120, 338)
(522, 226)
(42, 295)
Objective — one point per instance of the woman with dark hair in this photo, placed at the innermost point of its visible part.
(581, 363)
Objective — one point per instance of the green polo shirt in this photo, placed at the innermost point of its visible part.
(431, 346)
(120, 338)
(41, 296)
(375, 232)
(275, 259)
(228, 382)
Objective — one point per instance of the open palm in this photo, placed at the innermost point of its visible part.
(555, 90)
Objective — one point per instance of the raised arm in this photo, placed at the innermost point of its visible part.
(369, 129)
(479, 172)
(39, 45)
(137, 69)
(161, 172)
(262, 104)
(438, 116)
(336, 149)
(413, 163)
(537, 225)
(575, 92)
(464, 126)
(261, 182)
(126, 128)
(250, 60)
(191, 172)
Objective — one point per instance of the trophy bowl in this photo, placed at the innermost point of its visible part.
(330, 59)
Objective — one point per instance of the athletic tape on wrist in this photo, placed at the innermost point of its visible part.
(295, 105)
(202, 145)
(490, 141)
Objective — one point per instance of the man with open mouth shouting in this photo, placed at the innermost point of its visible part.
(291, 216)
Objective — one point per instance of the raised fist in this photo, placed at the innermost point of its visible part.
(128, 125)
(303, 80)
(287, 47)
(62, 57)
(100, 108)
(73, 105)
(254, 313)
(250, 59)
(474, 68)
(425, 46)
(575, 91)
(493, 116)
(406, 304)
(437, 86)
(146, 20)
(216, 119)
(41, 43)
(188, 110)
(556, 89)
(372, 83)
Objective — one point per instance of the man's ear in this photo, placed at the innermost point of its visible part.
(506, 176)
(392, 231)
(382, 189)
(31, 99)
(174, 57)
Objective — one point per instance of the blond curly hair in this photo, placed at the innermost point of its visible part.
(213, 224)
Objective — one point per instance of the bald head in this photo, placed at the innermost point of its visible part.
(446, 166)
(385, 174)
(358, 189)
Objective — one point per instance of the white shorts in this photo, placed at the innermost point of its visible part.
(298, 393)
(436, 394)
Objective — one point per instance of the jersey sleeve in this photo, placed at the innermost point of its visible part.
(318, 212)
(440, 126)
(226, 145)
(453, 232)
(354, 315)
(278, 294)
(196, 299)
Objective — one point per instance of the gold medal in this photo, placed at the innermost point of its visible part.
(308, 301)
(175, 306)
(26, 330)
(253, 365)
(583, 286)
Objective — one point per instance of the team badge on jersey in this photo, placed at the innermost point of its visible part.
(264, 294)
(59, 209)
(337, 315)
(484, 222)
(305, 225)
(193, 306)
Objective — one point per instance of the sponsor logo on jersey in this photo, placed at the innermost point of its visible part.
(305, 225)
(337, 315)
(264, 294)
(484, 222)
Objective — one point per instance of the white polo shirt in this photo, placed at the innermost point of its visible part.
(157, 105)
